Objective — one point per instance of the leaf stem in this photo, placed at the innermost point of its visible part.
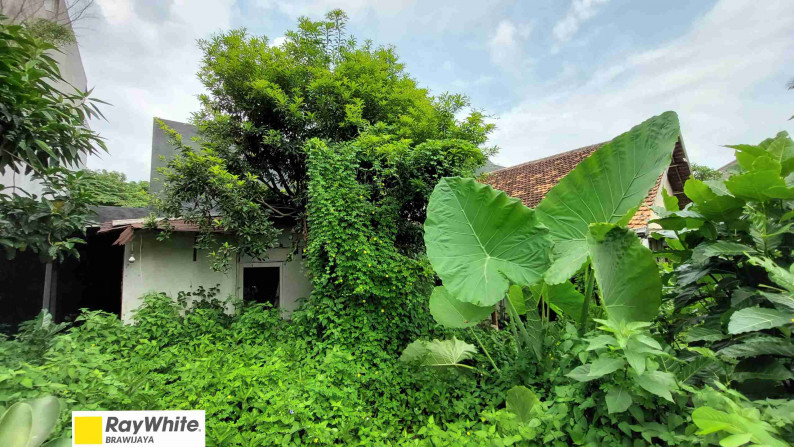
(589, 276)
(484, 350)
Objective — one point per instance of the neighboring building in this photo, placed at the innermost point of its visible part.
(532, 180)
(69, 62)
(729, 169)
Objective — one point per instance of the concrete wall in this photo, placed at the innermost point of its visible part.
(163, 150)
(168, 267)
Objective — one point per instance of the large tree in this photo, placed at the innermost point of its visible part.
(266, 102)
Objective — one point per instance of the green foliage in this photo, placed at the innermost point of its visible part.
(50, 224)
(704, 173)
(449, 312)
(43, 133)
(112, 188)
(439, 353)
(268, 108)
(627, 275)
(608, 186)
(730, 284)
(29, 423)
(51, 32)
(259, 381)
(220, 201)
(43, 122)
(726, 414)
(479, 240)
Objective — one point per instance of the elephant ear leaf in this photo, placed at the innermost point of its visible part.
(564, 299)
(46, 409)
(479, 240)
(627, 275)
(15, 425)
(438, 353)
(605, 187)
(452, 313)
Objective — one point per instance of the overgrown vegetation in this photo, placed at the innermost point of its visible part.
(606, 342)
(268, 107)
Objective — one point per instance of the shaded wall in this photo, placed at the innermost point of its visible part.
(169, 267)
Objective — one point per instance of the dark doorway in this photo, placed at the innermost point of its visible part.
(21, 289)
(92, 282)
(261, 284)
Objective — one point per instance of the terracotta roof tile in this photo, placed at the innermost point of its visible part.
(532, 180)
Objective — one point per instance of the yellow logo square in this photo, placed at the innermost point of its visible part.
(88, 430)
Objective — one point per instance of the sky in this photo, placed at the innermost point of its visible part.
(553, 75)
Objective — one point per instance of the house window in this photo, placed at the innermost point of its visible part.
(262, 284)
(50, 5)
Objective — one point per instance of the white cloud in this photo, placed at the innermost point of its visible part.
(505, 44)
(725, 77)
(278, 41)
(580, 11)
(316, 8)
(144, 63)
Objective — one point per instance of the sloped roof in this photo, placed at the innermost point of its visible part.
(530, 181)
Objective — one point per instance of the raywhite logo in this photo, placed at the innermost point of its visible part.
(149, 428)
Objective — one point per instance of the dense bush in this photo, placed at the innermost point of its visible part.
(259, 381)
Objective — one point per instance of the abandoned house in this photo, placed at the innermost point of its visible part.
(123, 259)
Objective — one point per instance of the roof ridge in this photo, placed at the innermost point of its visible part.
(560, 154)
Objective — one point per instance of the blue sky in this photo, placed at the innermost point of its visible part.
(554, 74)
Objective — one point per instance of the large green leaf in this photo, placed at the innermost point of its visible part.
(618, 400)
(479, 240)
(710, 420)
(438, 353)
(758, 318)
(754, 185)
(627, 275)
(704, 251)
(761, 345)
(15, 426)
(660, 383)
(449, 352)
(604, 188)
(522, 402)
(715, 207)
(605, 365)
(46, 410)
(516, 296)
(452, 313)
(761, 368)
(564, 299)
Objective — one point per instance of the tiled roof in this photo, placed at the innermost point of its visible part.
(532, 180)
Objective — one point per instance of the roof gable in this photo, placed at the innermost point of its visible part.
(530, 181)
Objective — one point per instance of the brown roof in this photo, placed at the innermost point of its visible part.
(532, 180)
(128, 226)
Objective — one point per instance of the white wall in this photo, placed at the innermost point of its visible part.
(168, 267)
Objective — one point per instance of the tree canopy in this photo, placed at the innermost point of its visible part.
(265, 103)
